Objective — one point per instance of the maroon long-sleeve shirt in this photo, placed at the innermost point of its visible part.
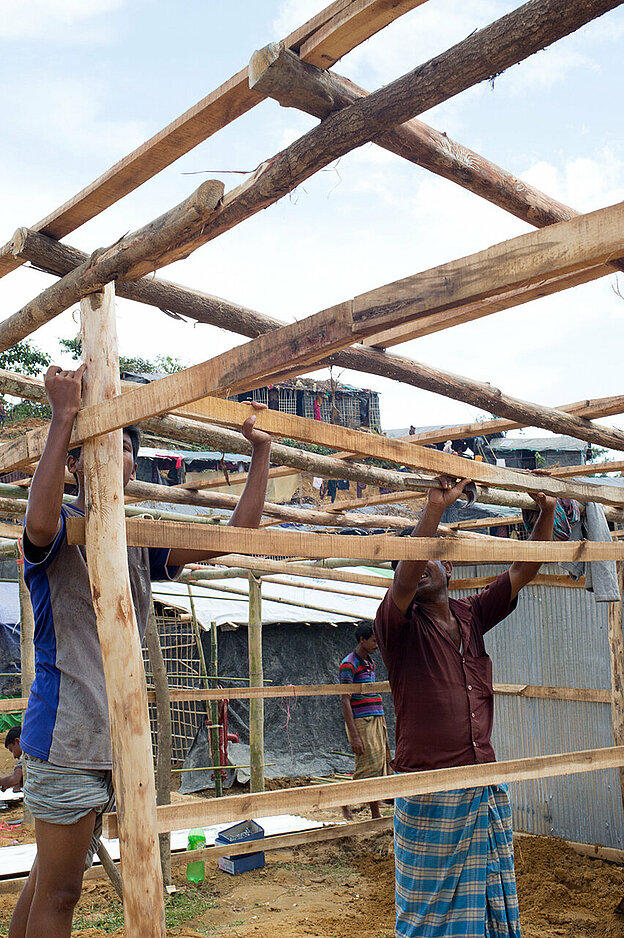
(443, 696)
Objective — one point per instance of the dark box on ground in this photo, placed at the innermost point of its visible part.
(238, 834)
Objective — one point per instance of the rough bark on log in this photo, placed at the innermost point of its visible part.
(60, 259)
(322, 40)
(112, 263)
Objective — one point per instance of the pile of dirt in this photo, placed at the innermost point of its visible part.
(339, 889)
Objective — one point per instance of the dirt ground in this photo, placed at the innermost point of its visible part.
(344, 888)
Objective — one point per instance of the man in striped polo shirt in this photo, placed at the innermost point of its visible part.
(363, 714)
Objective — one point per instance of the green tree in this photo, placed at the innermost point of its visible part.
(25, 359)
(134, 363)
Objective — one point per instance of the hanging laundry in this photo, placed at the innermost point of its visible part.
(332, 488)
(317, 408)
(316, 482)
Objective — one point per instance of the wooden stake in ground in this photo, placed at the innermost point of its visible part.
(256, 679)
(133, 773)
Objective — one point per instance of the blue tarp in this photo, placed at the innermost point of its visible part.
(9, 639)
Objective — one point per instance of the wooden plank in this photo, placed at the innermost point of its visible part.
(508, 40)
(177, 694)
(148, 533)
(598, 407)
(133, 771)
(435, 321)
(491, 522)
(60, 259)
(350, 27)
(587, 469)
(299, 800)
(125, 410)
(229, 101)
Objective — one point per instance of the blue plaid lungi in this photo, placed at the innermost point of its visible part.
(454, 865)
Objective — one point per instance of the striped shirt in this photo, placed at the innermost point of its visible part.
(356, 670)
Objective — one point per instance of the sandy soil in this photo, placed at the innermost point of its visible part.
(346, 888)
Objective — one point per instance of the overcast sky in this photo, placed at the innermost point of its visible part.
(86, 82)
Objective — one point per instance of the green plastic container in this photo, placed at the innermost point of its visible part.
(196, 872)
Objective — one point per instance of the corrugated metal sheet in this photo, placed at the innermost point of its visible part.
(558, 637)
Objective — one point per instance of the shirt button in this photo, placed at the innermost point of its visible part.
(472, 715)
(470, 687)
(476, 745)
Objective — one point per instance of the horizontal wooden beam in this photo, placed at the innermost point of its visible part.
(490, 522)
(299, 800)
(486, 52)
(590, 408)
(278, 73)
(28, 448)
(587, 469)
(327, 36)
(61, 259)
(182, 694)
(147, 533)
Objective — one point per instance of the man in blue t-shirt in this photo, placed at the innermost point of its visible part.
(65, 735)
(363, 714)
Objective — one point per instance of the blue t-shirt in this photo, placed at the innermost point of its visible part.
(66, 721)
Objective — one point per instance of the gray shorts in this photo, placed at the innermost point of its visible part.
(63, 795)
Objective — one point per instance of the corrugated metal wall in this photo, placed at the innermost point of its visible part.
(557, 637)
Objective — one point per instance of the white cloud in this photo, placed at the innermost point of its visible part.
(294, 13)
(50, 19)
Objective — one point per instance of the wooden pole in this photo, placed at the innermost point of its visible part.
(133, 772)
(489, 51)
(322, 40)
(616, 655)
(403, 784)
(163, 734)
(60, 259)
(256, 679)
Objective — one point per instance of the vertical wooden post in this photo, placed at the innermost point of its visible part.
(163, 734)
(256, 679)
(616, 650)
(214, 710)
(133, 769)
(27, 634)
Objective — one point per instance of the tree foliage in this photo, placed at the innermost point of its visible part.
(25, 359)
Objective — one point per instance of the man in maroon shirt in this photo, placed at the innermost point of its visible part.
(453, 850)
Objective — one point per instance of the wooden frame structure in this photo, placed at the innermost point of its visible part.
(571, 249)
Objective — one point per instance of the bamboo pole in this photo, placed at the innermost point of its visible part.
(133, 772)
(163, 734)
(214, 709)
(256, 679)
(616, 656)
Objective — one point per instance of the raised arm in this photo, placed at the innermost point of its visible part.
(248, 511)
(522, 572)
(409, 572)
(46, 491)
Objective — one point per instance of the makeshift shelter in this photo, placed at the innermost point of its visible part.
(353, 333)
